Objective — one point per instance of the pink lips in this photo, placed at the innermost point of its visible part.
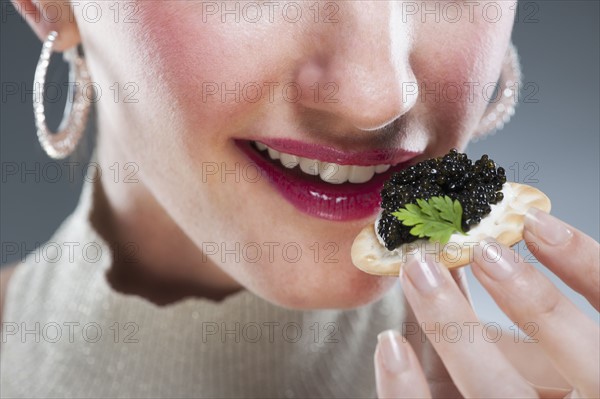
(311, 195)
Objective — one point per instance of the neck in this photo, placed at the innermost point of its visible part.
(153, 257)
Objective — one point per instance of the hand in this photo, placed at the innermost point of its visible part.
(476, 366)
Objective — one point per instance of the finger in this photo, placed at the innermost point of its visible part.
(439, 380)
(460, 276)
(398, 373)
(570, 254)
(568, 337)
(476, 366)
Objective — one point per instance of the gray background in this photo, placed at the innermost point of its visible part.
(554, 135)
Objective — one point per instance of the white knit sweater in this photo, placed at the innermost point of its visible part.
(67, 333)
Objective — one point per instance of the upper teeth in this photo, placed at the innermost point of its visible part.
(327, 171)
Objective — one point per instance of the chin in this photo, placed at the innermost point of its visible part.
(323, 289)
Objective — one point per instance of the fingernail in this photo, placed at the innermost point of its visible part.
(392, 352)
(495, 259)
(423, 272)
(548, 228)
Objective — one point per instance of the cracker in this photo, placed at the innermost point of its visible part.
(373, 258)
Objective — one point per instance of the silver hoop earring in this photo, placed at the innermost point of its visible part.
(499, 112)
(62, 143)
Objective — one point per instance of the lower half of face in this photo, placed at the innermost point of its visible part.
(267, 142)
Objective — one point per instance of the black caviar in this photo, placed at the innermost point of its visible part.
(475, 185)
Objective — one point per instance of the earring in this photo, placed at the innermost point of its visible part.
(62, 143)
(499, 112)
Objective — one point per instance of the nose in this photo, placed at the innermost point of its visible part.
(362, 73)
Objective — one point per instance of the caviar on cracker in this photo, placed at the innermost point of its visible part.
(475, 186)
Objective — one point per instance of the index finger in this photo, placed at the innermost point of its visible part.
(570, 254)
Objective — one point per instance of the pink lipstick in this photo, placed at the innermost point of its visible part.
(309, 193)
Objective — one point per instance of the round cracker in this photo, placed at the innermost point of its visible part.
(371, 257)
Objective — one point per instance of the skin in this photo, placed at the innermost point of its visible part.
(186, 133)
(171, 134)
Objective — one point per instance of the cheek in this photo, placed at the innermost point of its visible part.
(208, 69)
(174, 61)
(458, 66)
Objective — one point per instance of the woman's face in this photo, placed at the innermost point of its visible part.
(369, 84)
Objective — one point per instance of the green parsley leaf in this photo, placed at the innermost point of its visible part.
(437, 218)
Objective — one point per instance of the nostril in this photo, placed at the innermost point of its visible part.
(372, 127)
